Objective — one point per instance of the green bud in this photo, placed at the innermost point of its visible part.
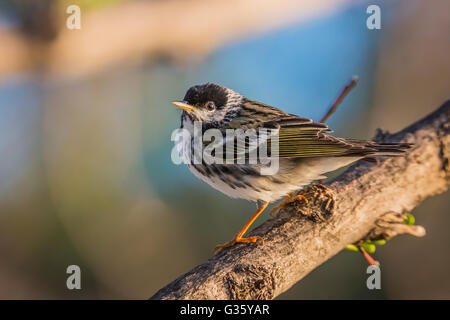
(370, 248)
(380, 242)
(410, 220)
(351, 247)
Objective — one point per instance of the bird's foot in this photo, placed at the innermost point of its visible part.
(238, 240)
(289, 199)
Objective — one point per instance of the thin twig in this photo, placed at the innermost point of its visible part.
(368, 257)
(340, 97)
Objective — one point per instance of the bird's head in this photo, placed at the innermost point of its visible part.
(210, 103)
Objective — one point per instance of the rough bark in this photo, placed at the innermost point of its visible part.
(363, 201)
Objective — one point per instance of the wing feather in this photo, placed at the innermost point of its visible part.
(300, 137)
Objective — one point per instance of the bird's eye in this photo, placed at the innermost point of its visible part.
(210, 106)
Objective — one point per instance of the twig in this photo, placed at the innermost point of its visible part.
(340, 97)
(368, 257)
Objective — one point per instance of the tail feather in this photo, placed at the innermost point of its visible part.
(370, 148)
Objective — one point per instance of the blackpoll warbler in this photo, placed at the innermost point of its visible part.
(305, 152)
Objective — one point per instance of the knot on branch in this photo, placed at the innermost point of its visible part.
(390, 225)
(248, 281)
(320, 206)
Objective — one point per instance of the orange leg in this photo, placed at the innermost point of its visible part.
(238, 237)
(289, 198)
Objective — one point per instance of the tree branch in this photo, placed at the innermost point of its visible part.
(356, 204)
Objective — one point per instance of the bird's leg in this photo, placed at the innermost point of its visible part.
(238, 237)
(289, 198)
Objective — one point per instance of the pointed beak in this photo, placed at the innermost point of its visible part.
(183, 105)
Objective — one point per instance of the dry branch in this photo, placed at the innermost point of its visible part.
(367, 197)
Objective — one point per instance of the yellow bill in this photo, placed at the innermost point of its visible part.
(183, 105)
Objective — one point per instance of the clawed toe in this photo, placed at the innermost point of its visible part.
(301, 197)
(238, 240)
(289, 199)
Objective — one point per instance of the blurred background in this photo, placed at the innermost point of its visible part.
(86, 175)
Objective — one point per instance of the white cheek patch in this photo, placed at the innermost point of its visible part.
(201, 115)
(210, 116)
(218, 116)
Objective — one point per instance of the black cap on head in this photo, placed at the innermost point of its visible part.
(201, 94)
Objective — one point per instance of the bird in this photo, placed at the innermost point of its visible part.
(306, 151)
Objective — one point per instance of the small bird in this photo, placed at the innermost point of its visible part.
(306, 151)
